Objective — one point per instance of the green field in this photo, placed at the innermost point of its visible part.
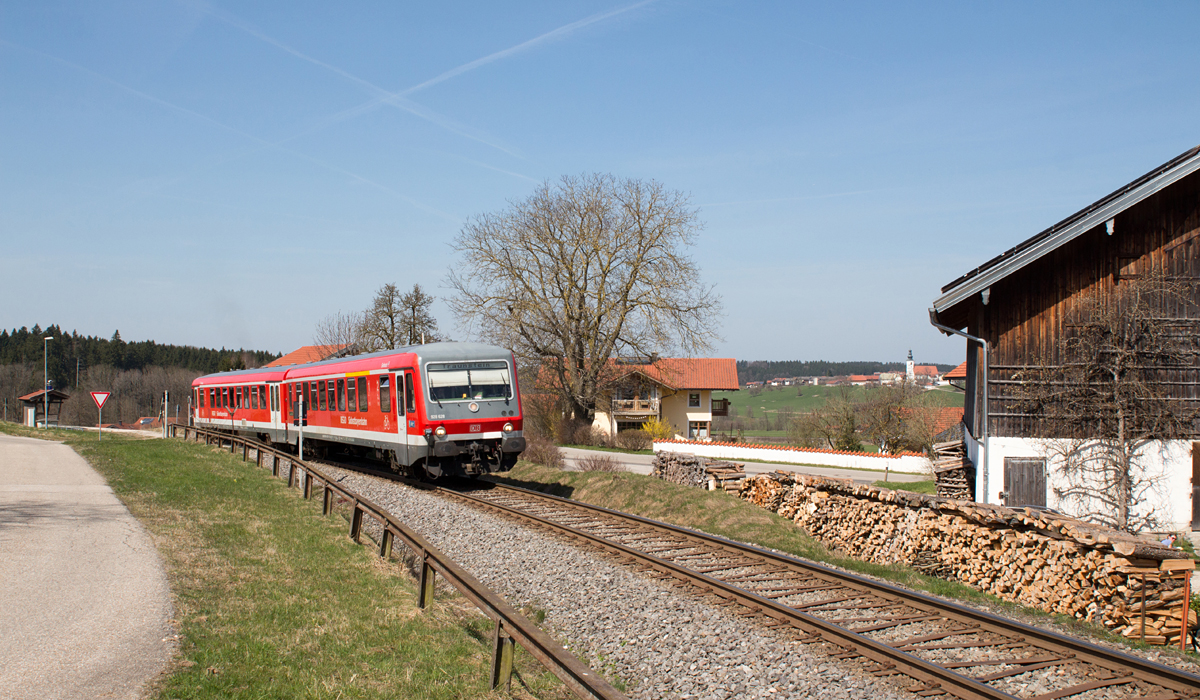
(773, 400)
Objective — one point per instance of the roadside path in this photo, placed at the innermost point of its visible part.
(641, 464)
(85, 598)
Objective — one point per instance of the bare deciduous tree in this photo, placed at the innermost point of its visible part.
(341, 329)
(382, 323)
(393, 321)
(417, 320)
(898, 418)
(1104, 402)
(584, 270)
(833, 426)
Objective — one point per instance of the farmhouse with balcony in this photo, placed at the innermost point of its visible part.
(1017, 308)
(677, 391)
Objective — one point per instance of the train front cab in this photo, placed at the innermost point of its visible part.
(472, 416)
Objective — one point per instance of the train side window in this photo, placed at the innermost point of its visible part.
(320, 390)
(341, 394)
(363, 403)
(332, 394)
(385, 393)
(254, 397)
(311, 399)
(351, 395)
(410, 396)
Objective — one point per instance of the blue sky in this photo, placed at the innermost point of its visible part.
(227, 175)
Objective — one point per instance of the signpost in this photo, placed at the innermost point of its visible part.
(100, 397)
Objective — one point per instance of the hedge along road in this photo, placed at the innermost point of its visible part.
(642, 464)
(86, 600)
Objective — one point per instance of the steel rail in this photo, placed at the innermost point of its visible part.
(932, 676)
(582, 680)
(1179, 682)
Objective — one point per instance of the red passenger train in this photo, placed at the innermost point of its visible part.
(442, 408)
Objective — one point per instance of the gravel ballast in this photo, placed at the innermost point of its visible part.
(656, 641)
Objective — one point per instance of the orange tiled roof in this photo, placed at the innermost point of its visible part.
(946, 418)
(928, 370)
(691, 373)
(959, 372)
(308, 353)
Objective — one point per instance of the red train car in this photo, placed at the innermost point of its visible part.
(442, 408)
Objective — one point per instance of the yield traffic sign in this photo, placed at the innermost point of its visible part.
(100, 397)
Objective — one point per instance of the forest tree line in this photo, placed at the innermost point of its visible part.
(136, 373)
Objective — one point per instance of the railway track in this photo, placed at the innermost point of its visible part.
(932, 647)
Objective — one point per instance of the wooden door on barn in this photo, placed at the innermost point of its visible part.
(1024, 482)
(1196, 485)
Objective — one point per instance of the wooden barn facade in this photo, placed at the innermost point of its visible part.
(1023, 302)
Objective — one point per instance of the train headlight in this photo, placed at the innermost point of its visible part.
(508, 427)
(441, 431)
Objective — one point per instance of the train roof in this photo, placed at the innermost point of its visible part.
(430, 352)
(385, 359)
(260, 374)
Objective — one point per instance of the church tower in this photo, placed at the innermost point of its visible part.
(908, 368)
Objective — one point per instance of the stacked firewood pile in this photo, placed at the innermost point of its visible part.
(1145, 602)
(691, 470)
(1044, 560)
(952, 471)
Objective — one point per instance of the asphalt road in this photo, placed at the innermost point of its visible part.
(641, 464)
(85, 601)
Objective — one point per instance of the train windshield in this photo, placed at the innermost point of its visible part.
(464, 381)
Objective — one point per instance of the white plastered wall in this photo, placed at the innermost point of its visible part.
(675, 410)
(604, 420)
(1171, 497)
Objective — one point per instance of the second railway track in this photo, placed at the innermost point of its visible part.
(929, 646)
(938, 648)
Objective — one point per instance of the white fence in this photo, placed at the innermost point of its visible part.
(908, 462)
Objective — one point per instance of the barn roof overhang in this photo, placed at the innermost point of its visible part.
(981, 278)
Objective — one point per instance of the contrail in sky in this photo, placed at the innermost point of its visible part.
(551, 35)
(397, 99)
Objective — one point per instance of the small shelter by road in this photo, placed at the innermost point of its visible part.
(34, 406)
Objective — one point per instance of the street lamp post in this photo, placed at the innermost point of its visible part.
(46, 381)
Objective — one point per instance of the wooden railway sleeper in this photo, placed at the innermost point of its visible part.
(934, 637)
(1084, 687)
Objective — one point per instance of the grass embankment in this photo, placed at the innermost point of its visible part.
(718, 513)
(274, 600)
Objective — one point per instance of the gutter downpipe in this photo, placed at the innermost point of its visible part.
(983, 432)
